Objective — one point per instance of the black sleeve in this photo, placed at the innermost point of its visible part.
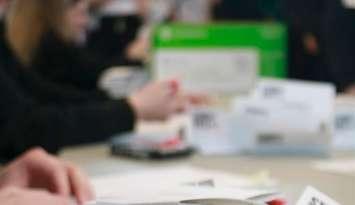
(109, 40)
(25, 123)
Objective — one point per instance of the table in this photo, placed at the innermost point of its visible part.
(293, 173)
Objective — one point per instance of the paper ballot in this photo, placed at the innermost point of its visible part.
(173, 185)
(311, 196)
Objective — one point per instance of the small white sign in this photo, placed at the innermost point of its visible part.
(314, 197)
(209, 131)
(350, 4)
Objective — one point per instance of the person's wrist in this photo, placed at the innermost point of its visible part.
(135, 105)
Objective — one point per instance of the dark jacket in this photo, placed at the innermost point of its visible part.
(246, 10)
(111, 37)
(37, 112)
(334, 27)
(304, 18)
(66, 64)
(339, 34)
(81, 67)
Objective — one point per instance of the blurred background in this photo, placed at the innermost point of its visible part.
(165, 79)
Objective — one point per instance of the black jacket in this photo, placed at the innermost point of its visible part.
(37, 112)
(339, 35)
(111, 37)
(66, 64)
(304, 17)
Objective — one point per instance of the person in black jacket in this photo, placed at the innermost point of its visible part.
(36, 111)
(321, 41)
(26, 121)
(115, 30)
(339, 33)
(50, 44)
(305, 40)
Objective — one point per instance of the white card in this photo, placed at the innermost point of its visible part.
(350, 4)
(314, 197)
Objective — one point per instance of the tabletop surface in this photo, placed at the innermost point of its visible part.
(292, 173)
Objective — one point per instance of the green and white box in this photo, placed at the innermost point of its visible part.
(219, 58)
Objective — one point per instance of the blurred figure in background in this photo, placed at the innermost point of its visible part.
(2, 8)
(339, 31)
(241, 10)
(305, 41)
(321, 41)
(193, 11)
(237, 10)
(46, 94)
(115, 30)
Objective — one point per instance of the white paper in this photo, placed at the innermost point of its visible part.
(172, 185)
(344, 167)
(208, 70)
(314, 197)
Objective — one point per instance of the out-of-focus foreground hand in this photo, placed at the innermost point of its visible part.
(38, 170)
(17, 196)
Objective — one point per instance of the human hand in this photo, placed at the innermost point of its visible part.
(17, 196)
(38, 170)
(158, 101)
(350, 90)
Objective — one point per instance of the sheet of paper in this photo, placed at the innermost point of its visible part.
(174, 184)
(345, 167)
(311, 196)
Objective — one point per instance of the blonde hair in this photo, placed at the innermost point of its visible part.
(28, 20)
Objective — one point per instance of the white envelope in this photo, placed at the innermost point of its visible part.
(287, 116)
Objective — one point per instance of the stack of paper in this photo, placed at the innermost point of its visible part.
(178, 184)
